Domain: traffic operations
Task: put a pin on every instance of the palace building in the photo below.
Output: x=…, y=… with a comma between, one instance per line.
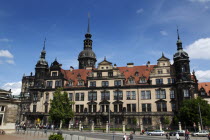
x=144, y=94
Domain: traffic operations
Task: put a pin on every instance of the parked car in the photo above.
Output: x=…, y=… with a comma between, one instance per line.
x=201, y=133
x=156, y=132
x=180, y=132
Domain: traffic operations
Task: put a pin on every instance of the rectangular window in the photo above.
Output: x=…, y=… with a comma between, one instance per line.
x=105, y=83
x=89, y=108
x=2, y=108
x=160, y=94
x=80, y=83
x=47, y=97
x=120, y=107
x=147, y=121
x=34, y=108
x=203, y=93
x=105, y=95
x=71, y=96
x=35, y=97
x=99, y=74
x=46, y=108
x=118, y=95
x=81, y=108
x=94, y=108
x=1, y=119
x=93, y=84
x=173, y=106
x=77, y=108
x=146, y=94
x=186, y=93
x=117, y=83
x=54, y=73
x=128, y=107
x=131, y=95
x=131, y=81
x=115, y=108
x=49, y=83
x=164, y=107
x=107, y=108
x=172, y=95
x=92, y=96
x=160, y=71
x=133, y=107
x=57, y=83
x=142, y=80
x=110, y=74
x=70, y=84
x=79, y=97
x=144, y=108
x=159, y=107
x=159, y=81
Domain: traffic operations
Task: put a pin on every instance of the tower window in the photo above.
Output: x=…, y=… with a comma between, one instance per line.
x=99, y=74
x=186, y=93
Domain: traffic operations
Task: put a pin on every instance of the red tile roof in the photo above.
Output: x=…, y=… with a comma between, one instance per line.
x=206, y=86
x=143, y=71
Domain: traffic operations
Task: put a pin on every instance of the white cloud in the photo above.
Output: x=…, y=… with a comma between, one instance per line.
x=139, y=11
x=164, y=33
x=202, y=1
x=199, y=49
x=5, y=40
x=14, y=86
x=5, y=53
x=203, y=76
x=10, y=61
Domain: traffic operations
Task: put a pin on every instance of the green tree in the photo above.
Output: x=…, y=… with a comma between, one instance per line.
x=60, y=109
x=189, y=112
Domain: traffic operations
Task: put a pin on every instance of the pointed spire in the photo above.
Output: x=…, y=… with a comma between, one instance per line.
x=178, y=33
x=105, y=58
x=179, y=42
x=163, y=54
x=44, y=43
x=88, y=29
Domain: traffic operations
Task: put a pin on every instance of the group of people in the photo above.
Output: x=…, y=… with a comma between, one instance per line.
x=129, y=137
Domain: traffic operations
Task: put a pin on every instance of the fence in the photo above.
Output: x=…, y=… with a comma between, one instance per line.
x=44, y=134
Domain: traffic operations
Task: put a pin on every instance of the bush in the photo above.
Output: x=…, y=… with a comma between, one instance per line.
x=56, y=137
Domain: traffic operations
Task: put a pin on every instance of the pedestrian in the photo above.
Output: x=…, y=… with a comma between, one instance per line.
x=134, y=130
x=167, y=136
x=208, y=136
x=125, y=137
x=131, y=136
x=187, y=134
x=177, y=136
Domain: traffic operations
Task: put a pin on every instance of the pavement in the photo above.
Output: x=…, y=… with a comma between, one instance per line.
x=85, y=135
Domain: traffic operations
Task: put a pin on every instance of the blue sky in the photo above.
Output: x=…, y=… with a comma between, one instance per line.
x=122, y=30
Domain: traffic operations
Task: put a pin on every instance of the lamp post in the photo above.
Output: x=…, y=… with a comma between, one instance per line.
x=109, y=117
x=200, y=116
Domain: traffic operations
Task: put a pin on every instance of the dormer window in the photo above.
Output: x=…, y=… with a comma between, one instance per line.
x=136, y=73
x=203, y=93
x=160, y=72
x=54, y=73
x=70, y=83
x=80, y=83
x=142, y=80
x=131, y=80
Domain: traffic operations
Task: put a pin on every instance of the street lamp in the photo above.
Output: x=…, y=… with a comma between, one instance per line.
x=200, y=116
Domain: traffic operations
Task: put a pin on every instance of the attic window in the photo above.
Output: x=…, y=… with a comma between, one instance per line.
x=80, y=83
x=142, y=80
x=70, y=84
x=203, y=93
x=136, y=73
x=54, y=74
x=131, y=80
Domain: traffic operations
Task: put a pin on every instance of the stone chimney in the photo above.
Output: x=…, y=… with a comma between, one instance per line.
x=148, y=64
x=130, y=65
x=71, y=68
x=115, y=66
